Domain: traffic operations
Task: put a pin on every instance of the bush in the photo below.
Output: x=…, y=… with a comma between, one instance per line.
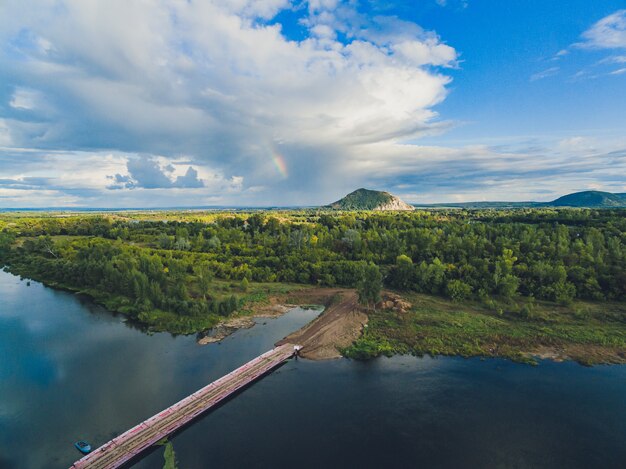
x=458, y=290
x=368, y=347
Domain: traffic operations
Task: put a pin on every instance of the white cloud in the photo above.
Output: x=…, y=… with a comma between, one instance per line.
x=264, y=9
x=602, y=68
x=613, y=59
x=461, y=4
x=323, y=31
x=213, y=80
x=260, y=118
x=425, y=52
x=24, y=99
x=235, y=184
x=577, y=144
x=541, y=170
x=544, y=73
x=322, y=5
x=608, y=33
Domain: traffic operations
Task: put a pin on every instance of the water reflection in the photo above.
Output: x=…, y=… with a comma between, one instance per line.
x=69, y=370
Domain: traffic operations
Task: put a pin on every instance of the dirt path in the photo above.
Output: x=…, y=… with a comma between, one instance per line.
x=338, y=326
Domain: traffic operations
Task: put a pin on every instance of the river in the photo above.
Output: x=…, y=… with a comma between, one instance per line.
x=70, y=370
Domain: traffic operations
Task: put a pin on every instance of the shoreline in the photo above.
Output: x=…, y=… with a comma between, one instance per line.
x=231, y=325
x=342, y=327
x=337, y=328
x=438, y=327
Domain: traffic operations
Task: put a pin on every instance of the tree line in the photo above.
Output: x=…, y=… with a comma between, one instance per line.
x=550, y=254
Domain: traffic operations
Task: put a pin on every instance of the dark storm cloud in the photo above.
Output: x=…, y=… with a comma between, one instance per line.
x=146, y=172
x=27, y=183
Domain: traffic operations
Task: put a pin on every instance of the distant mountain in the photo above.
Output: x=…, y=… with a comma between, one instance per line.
x=585, y=199
x=365, y=199
x=591, y=199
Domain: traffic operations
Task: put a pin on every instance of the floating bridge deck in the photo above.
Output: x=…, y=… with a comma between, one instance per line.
x=128, y=445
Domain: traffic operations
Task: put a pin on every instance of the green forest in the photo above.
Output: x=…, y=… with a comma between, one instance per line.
x=182, y=271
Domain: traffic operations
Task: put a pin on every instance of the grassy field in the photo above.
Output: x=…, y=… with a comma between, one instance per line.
x=589, y=333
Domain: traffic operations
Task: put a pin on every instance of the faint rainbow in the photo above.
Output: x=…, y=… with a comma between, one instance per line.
x=279, y=162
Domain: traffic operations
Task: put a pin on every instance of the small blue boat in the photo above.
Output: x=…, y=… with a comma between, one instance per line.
x=83, y=447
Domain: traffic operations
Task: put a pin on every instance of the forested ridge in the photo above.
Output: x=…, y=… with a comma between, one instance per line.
x=169, y=262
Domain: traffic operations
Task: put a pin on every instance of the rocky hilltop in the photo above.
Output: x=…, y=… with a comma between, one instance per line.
x=365, y=199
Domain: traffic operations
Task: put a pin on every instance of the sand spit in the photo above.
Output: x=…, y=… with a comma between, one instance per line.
x=338, y=326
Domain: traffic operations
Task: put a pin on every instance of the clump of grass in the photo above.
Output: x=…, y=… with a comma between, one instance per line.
x=169, y=457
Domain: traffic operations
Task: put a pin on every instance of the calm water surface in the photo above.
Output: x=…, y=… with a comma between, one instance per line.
x=70, y=370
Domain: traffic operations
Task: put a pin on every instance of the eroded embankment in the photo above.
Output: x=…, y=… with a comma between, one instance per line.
x=337, y=327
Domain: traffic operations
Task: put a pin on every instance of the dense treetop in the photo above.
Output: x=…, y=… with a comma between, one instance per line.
x=166, y=261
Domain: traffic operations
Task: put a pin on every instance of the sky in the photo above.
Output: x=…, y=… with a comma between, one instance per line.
x=170, y=103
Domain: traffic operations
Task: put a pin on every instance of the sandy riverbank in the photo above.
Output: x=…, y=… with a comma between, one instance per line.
x=338, y=326
x=230, y=325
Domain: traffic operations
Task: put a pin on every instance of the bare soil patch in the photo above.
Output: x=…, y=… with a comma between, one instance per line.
x=337, y=327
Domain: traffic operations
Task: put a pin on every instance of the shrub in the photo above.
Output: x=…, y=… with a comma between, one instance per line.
x=458, y=290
